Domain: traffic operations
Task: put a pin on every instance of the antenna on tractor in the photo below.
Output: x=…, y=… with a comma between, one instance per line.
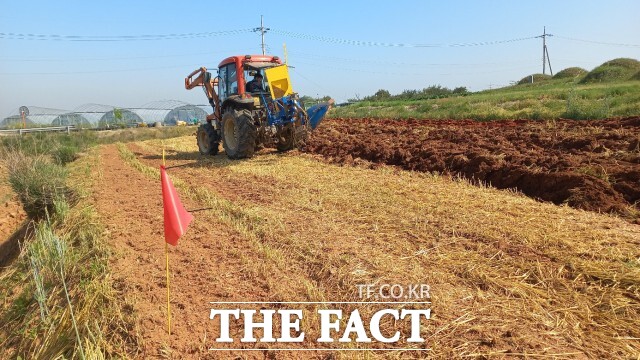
x=284, y=48
x=262, y=31
x=545, y=52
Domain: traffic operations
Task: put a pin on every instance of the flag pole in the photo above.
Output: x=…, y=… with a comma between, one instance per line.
x=166, y=252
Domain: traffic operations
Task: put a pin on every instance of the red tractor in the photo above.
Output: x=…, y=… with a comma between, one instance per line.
x=269, y=115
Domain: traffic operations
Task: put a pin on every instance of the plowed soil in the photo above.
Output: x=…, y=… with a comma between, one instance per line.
x=590, y=165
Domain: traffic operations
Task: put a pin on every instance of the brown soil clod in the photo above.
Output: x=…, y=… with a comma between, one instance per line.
x=590, y=165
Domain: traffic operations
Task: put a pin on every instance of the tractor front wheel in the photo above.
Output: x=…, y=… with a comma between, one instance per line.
x=238, y=134
x=208, y=139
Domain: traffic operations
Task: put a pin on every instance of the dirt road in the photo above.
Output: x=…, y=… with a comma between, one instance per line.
x=130, y=205
x=13, y=224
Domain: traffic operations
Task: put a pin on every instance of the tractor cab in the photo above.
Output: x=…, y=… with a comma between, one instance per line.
x=251, y=71
x=236, y=71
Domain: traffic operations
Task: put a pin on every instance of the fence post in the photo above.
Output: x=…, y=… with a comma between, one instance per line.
x=68, y=129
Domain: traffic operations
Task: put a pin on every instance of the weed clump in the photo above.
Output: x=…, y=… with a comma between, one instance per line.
x=40, y=184
x=65, y=154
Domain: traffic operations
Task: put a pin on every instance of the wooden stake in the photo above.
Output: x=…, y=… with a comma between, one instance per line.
x=166, y=252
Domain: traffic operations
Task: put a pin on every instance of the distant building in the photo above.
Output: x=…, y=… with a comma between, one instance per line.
x=166, y=112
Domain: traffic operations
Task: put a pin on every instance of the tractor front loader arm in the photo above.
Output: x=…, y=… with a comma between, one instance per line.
x=201, y=77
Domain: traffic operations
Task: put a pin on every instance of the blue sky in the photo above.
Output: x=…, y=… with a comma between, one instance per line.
x=337, y=48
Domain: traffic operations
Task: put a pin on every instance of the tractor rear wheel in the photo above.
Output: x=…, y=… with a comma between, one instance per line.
x=208, y=139
x=238, y=134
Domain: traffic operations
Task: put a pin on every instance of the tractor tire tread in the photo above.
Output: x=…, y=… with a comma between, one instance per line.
x=247, y=134
x=212, y=140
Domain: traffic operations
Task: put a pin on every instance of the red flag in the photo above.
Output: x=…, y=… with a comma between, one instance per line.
x=176, y=218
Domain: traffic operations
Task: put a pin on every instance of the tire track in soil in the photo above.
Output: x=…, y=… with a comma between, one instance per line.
x=130, y=206
x=225, y=183
x=288, y=281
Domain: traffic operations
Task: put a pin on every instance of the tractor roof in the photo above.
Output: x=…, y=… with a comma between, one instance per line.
x=253, y=59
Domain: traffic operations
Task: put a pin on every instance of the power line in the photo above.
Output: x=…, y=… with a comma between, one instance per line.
x=384, y=72
x=101, y=71
x=99, y=59
x=597, y=42
x=311, y=81
x=385, y=44
x=111, y=38
x=263, y=30
x=394, y=63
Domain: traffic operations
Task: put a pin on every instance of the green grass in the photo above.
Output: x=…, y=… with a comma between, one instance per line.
x=534, y=78
x=65, y=147
x=40, y=185
x=611, y=89
x=614, y=70
x=551, y=99
x=58, y=299
x=42, y=143
x=35, y=162
x=140, y=134
x=571, y=73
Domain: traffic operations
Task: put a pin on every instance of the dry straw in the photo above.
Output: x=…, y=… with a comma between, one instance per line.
x=509, y=276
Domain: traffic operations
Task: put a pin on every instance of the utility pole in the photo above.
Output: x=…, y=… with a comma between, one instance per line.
x=262, y=31
x=545, y=52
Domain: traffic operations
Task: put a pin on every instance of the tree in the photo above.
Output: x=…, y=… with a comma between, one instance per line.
x=307, y=100
x=382, y=94
x=435, y=91
x=379, y=95
x=461, y=90
x=310, y=101
x=355, y=99
x=117, y=115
